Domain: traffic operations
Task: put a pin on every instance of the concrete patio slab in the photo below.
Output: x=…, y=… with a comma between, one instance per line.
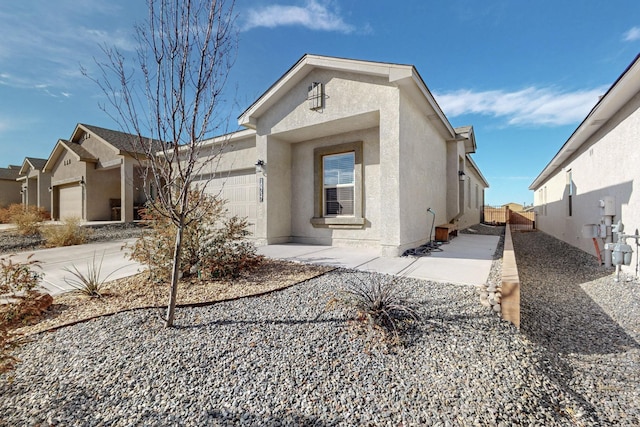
x=465, y=260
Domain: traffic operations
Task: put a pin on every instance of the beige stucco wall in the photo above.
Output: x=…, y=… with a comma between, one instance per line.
x=422, y=175
x=473, y=198
x=9, y=192
x=346, y=95
x=303, y=192
x=231, y=155
x=606, y=165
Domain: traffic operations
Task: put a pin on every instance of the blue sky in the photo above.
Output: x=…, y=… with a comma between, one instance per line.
x=523, y=73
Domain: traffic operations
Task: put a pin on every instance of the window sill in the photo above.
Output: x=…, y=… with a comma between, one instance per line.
x=349, y=221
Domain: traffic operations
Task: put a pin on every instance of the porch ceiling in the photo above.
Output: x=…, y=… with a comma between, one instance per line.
x=334, y=127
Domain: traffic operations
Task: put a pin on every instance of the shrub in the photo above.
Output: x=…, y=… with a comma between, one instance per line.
x=226, y=253
x=378, y=302
x=210, y=244
x=27, y=219
x=16, y=277
x=17, y=281
x=90, y=283
x=67, y=234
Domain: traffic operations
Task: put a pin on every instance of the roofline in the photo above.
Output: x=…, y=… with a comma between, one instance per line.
x=63, y=143
x=598, y=116
x=393, y=71
x=477, y=169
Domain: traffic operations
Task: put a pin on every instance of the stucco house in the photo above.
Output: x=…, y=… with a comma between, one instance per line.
x=95, y=176
x=596, y=168
x=35, y=183
x=349, y=153
x=9, y=186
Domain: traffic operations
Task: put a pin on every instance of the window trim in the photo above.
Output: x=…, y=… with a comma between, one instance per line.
x=336, y=186
x=355, y=220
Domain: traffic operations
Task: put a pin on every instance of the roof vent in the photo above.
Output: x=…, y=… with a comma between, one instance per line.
x=316, y=96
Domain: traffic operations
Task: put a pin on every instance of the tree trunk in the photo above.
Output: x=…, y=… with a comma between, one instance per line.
x=171, y=308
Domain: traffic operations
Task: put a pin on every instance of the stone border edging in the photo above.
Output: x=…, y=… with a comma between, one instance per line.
x=186, y=305
x=510, y=282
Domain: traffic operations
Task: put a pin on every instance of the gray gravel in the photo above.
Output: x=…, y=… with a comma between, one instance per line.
x=281, y=359
x=11, y=241
x=586, y=326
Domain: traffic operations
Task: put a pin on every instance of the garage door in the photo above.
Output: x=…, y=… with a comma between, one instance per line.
x=239, y=190
x=70, y=201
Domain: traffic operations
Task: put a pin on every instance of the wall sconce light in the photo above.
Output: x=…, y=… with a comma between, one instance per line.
x=461, y=175
x=260, y=166
x=50, y=189
x=82, y=181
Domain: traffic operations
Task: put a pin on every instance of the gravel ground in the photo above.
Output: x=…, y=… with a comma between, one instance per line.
x=586, y=326
x=281, y=359
x=10, y=241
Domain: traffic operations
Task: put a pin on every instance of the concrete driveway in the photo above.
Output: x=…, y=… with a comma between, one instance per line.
x=53, y=262
x=466, y=260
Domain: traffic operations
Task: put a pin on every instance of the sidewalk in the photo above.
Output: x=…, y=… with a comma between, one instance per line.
x=466, y=260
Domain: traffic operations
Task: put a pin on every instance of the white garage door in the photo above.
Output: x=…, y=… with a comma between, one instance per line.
x=239, y=190
x=70, y=201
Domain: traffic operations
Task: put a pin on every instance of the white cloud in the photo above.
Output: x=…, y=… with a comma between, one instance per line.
x=529, y=106
x=315, y=15
x=632, y=35
x=46, y=48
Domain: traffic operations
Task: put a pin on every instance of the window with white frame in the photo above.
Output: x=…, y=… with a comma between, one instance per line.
x=338, y=182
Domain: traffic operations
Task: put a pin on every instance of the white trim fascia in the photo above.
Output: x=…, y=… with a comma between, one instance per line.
x=477, y=169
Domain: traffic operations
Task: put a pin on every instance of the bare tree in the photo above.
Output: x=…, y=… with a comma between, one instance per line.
x=170, y=100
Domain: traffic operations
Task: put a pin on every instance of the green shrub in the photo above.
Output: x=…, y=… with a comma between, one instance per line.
x=68, y=234
x=378, y=302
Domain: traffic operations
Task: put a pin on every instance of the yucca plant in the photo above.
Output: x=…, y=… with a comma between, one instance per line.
x=89, y=283
x=379, y=302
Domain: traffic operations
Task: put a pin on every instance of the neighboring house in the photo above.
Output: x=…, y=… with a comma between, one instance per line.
x=35, y=183
x=349, y=153
x=95, y=176
x=514, y=207
x=601, y=160
x=9, y=186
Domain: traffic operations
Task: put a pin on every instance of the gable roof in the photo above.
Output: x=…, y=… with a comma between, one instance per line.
x=33, y=162
x=124, y=142
x=79, y=152
x=9, y=174
x=403, y=75
x=623, y=89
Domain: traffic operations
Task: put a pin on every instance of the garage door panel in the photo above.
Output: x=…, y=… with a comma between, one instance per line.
x=239, y=190
x=70, y=201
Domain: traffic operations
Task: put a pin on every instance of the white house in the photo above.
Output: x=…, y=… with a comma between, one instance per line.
x=599, y=162
x=349, y=153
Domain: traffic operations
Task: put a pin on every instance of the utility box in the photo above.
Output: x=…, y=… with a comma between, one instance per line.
x=590, y=231
x=608, y=205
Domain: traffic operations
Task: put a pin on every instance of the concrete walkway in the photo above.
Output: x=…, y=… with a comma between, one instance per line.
x=466, y=260
x=53, y=262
